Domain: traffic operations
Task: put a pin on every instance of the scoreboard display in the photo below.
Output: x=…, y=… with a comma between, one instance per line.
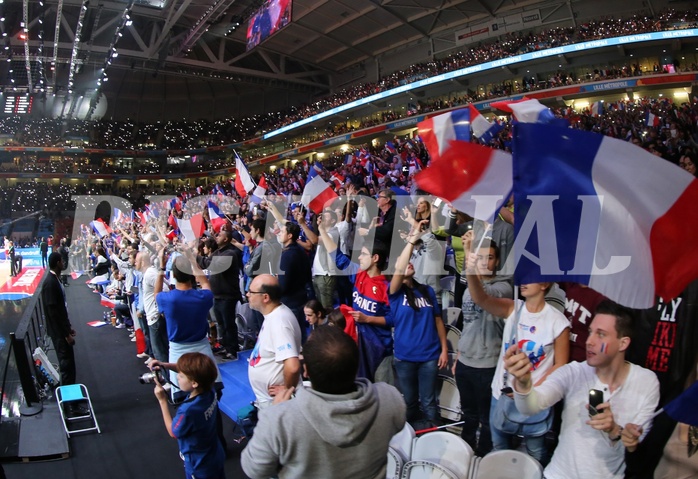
x=18, y=104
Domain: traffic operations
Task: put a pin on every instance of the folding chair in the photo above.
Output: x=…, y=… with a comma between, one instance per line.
x=439, y=454
x=452, y=314
x=75, y=394
x=447, y=286
x=449, y=399
x=508, y=463
x=452, y=338
x=395, y=462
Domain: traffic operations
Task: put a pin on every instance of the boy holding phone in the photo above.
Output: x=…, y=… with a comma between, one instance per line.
x=629, y=392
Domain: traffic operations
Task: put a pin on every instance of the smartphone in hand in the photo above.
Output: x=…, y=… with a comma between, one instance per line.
x=595, y=398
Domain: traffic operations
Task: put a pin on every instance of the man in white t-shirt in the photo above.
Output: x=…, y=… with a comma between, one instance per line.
x=593, y=440
x=274, y=364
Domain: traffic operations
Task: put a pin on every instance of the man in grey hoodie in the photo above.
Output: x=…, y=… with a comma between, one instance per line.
x=339, y=428
x=479, y=347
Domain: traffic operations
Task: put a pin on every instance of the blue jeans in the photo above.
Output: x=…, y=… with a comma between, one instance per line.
x=158, y=340
x=417, y=382
x=474, y=386
x=535, y=446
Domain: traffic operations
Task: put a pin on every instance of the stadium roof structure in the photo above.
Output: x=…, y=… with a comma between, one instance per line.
x=179, y=46
x=180, y=52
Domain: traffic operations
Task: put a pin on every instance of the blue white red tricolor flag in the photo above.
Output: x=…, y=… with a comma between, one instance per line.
x=193, y=228
x=651, y=119
x=482, y=129
x=526, y=110
x=215, y=216
x=106, y=301
x=602, y=212
x=259, y=191
x=316, y=194
x=101, y=228
x=437, y=131
x=243, y=180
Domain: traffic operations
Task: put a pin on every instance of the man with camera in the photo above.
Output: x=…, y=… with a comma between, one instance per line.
x=341, y=428
x=609, y=403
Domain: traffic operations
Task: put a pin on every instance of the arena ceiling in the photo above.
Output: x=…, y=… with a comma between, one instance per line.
x=195, y=38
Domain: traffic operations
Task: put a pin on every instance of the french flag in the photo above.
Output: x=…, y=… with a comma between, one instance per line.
x=337, y=179
x=651, y=119
x=483, y=130
x=216, y=217
x=476, y=179
x=526, y=110
x=602, y=212
x=314, y=171
x=316, y=194
x=437, y=131
x=106, y=301
x=193, y=228
x=380, y=177
x=118, y=216
x=390, y=146
x=176, y=204
x=349, y=159
x=596, y=108
x=243, y=180
x=259, y=191
x=101, y=228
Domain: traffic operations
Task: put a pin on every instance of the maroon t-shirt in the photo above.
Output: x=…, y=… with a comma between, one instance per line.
x=580, y=304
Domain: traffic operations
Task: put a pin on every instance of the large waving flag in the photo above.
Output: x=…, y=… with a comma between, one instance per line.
x=243, y=180
x=602, y=212
x=101, y=228
x=437, y=131
x=476, y=179
x=316, y=194
x=217, y=218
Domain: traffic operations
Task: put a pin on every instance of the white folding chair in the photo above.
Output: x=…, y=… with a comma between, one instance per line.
x=447, y=285
x=452, y=338
x=448, y=451
x=402, y=442
x=452, y=314
x=449, y=399
x=76, y=394
x=426, y=470
x=395, y=463
x=509, y=463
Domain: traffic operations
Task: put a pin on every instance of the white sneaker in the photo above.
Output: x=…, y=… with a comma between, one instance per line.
x=133, y=339
x=143, y=356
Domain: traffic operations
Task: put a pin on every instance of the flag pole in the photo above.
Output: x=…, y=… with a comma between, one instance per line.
x=436, y=428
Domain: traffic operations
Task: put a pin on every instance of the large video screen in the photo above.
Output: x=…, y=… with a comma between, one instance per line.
x=269, y=19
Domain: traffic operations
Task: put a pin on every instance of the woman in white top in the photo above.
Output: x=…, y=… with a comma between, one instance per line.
x=541, y=330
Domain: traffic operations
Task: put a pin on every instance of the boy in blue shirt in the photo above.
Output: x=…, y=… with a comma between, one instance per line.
x=194, y=426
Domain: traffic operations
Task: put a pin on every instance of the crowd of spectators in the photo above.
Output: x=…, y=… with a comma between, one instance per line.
x=374, y=166
x=127, y=135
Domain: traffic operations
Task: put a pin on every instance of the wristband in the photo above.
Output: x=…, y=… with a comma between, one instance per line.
x=620, y=434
